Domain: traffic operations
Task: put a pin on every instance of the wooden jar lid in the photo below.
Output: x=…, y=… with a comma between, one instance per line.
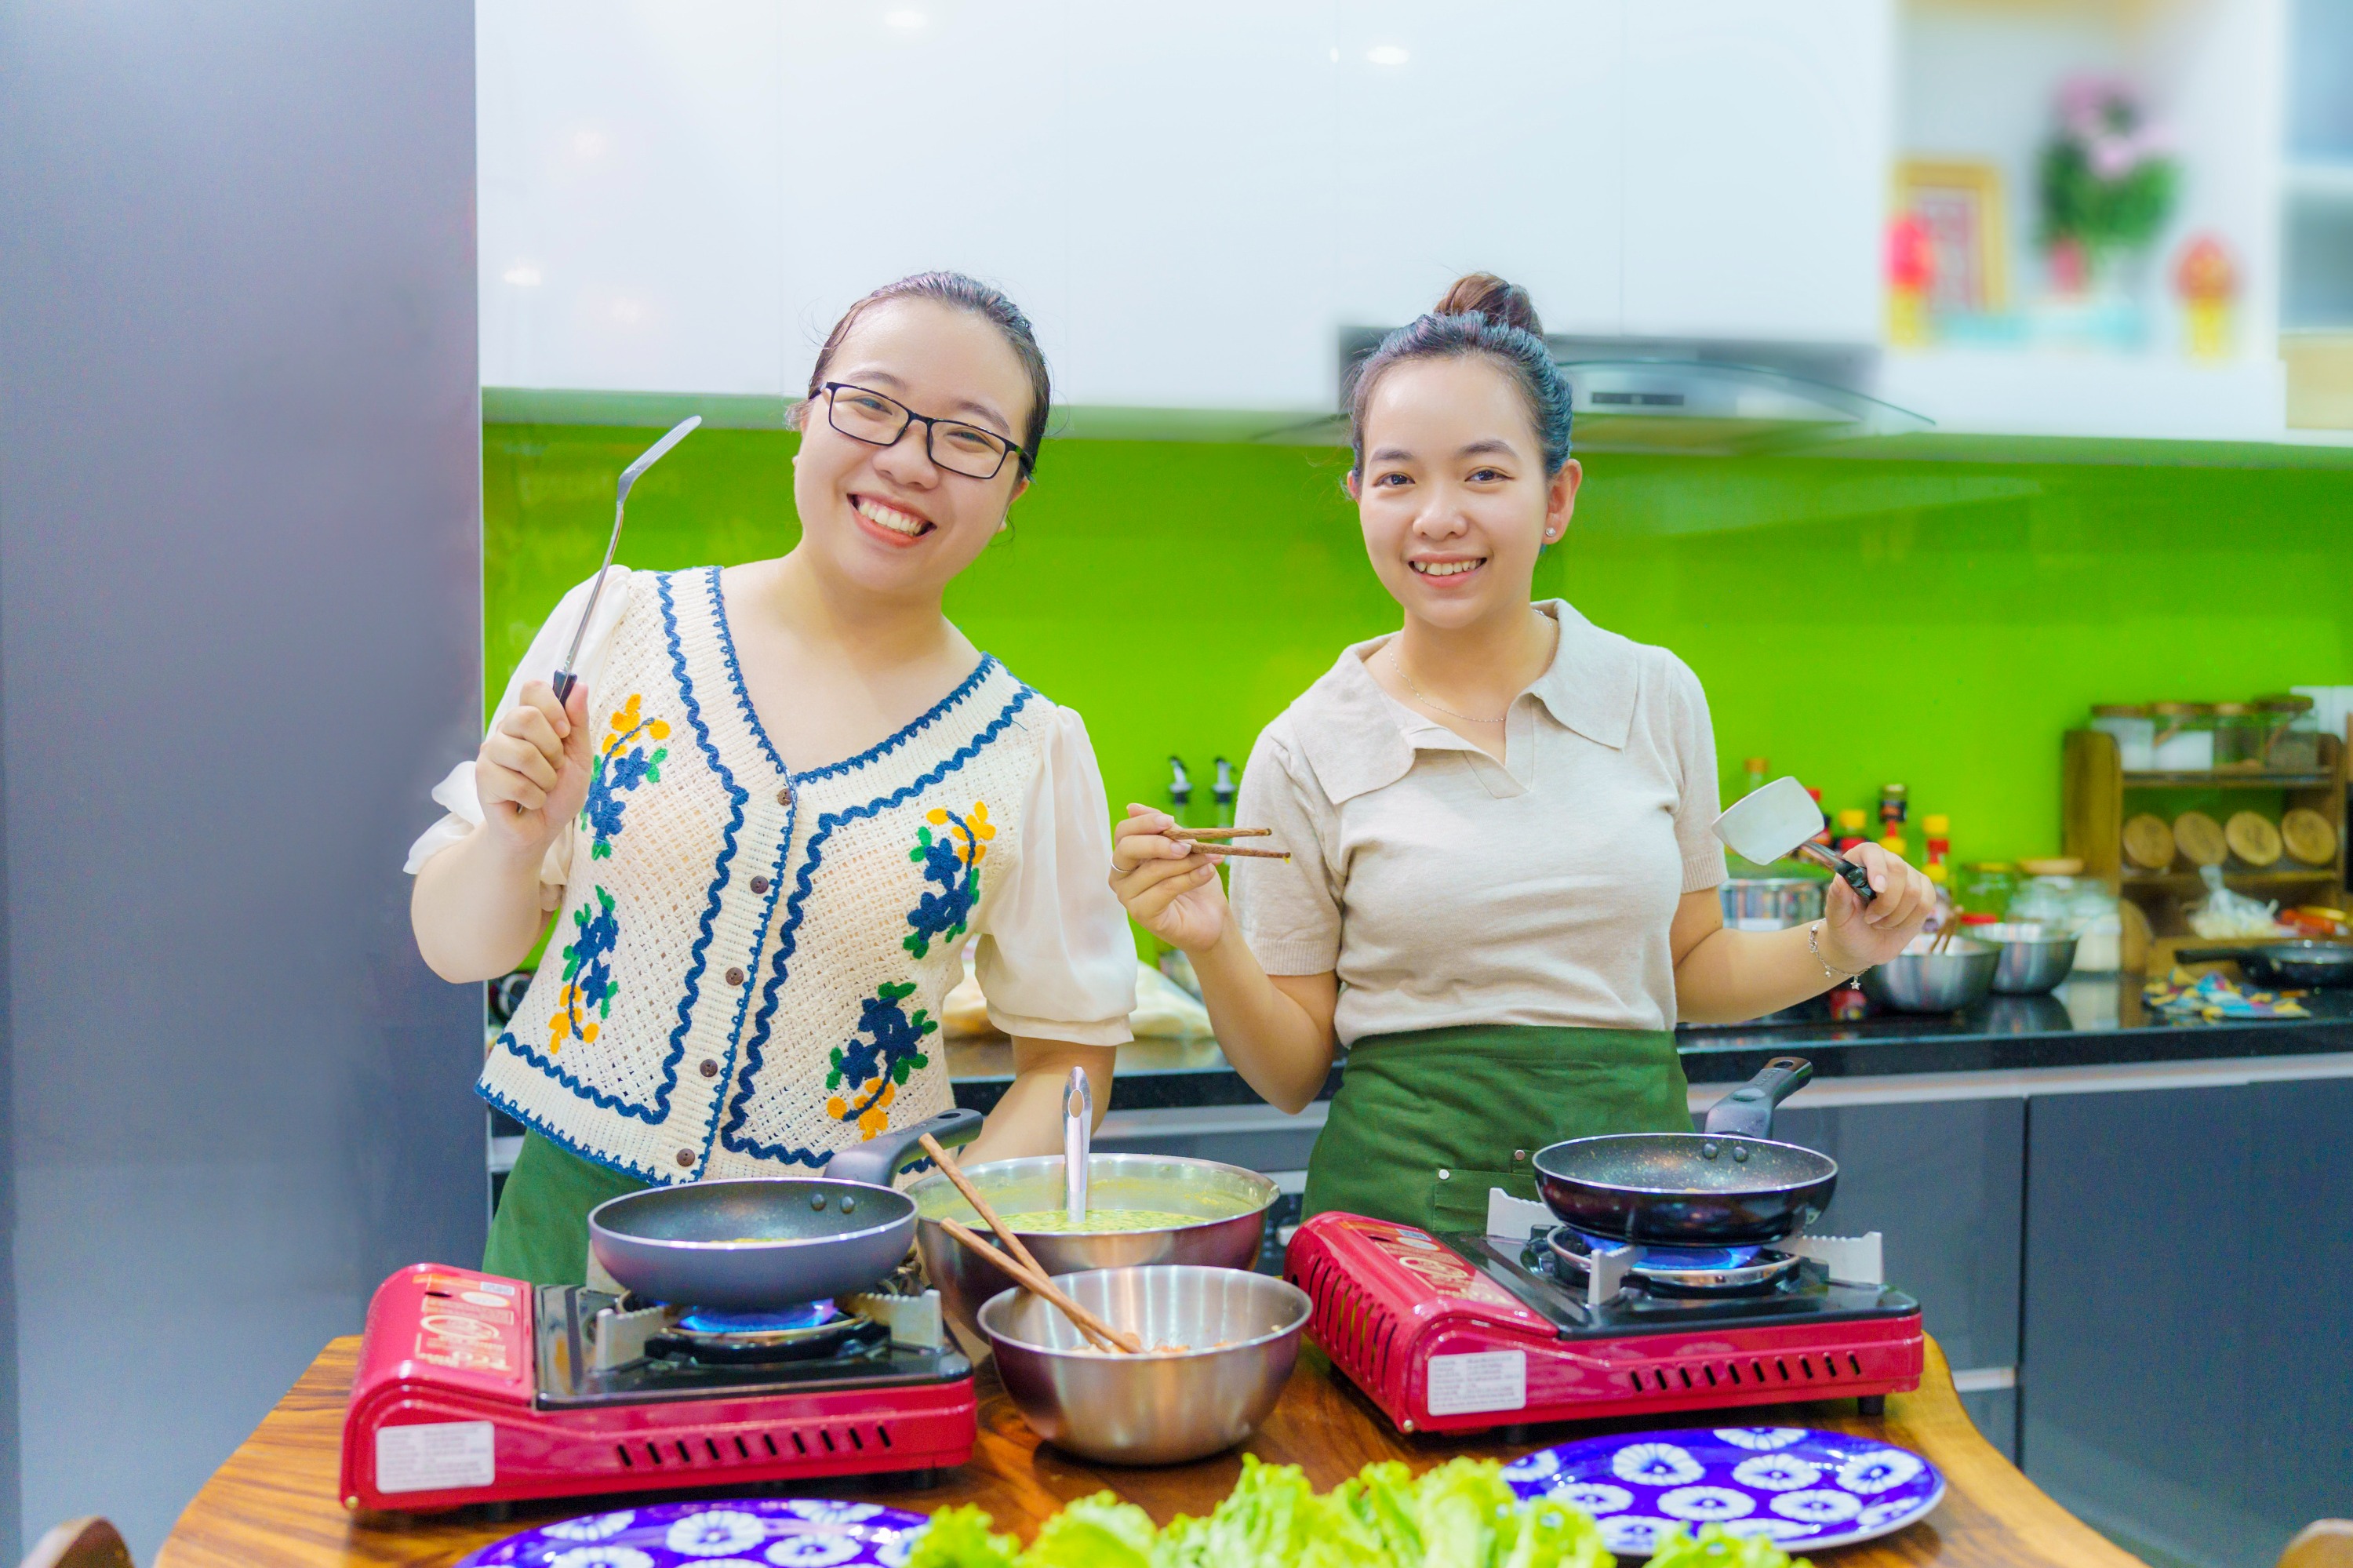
x=2199, y=839
x=2309, y=836
x=2148, y=842
x=2253, y=838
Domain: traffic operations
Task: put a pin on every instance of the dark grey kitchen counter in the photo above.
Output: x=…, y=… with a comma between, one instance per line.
x=2092, y=1021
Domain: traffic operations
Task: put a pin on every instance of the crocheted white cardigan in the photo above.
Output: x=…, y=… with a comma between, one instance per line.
x=748, y=964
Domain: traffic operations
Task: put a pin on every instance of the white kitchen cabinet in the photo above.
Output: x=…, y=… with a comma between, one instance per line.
x=929, y=133
x=1758, y=138
x=629, y=157
x=1479, y=137
x=1201, y=212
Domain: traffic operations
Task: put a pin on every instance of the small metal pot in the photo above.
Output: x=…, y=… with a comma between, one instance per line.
x=1150, y=1409
x=2033, y=958
x=1917, y=980
x=1232, y=1204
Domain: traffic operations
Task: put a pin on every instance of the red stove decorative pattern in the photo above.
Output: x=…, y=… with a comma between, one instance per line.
x=1459, y=1333
x=472, y=1389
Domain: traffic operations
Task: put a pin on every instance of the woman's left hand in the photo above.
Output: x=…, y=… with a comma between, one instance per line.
x=1855, y=935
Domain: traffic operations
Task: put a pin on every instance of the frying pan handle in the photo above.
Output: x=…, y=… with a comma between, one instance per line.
x=2213, y=955
x=1853, y=875
x=1748, y=1111
x=878, y=1159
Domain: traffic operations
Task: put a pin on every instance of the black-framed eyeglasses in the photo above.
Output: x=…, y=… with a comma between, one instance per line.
x=865, y=415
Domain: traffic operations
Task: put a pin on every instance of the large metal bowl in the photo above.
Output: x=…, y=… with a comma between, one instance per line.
x=1917, y=980
x=1232, y=1204
x=2034, y=959
x=1153, y=1409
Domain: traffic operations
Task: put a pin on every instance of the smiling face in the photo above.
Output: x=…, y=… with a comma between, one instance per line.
x=1453, y=496
x=888, y=519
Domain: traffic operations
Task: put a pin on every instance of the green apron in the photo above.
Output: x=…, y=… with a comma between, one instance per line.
x=1425, y=1123
x=541, y=1231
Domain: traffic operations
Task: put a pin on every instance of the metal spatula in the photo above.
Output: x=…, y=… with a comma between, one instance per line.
x=1781, y=819
x=564, y=679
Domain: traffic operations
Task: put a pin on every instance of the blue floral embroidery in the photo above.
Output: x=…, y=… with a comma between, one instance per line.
x=952, y=860
x=585, y=999
x=873, y=1067
x=620, y=765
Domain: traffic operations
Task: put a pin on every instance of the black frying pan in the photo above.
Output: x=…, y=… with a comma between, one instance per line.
x=2289, y=966
x=763, y=1243
x=1728, y=1186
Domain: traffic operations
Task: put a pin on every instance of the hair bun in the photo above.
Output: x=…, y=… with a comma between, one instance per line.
x=1484, y=293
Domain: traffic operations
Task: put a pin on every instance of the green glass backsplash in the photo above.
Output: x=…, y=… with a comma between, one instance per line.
x=1936, y=619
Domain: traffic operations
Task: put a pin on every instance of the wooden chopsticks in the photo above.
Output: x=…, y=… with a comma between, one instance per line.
x=1200, y=840
x=1022, y=1266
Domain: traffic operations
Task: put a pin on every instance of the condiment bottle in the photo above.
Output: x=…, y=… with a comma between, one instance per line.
x=1755, y=767
x=1222, y=790
x=1850, y=830
x=1938, y=845
x=1181, y=791
x=1824, y=836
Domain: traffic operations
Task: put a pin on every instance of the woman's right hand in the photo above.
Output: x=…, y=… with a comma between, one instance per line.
x=1171, y=891
x=531, y=774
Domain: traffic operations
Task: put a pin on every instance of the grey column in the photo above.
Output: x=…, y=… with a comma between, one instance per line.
x=239, y=566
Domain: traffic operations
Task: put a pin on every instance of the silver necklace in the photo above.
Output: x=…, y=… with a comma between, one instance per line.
x=1399, y=665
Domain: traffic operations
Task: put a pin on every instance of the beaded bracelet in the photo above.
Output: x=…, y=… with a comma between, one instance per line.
x=1814, y=946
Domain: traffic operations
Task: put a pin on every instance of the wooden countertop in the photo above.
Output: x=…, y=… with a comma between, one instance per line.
x=274, y=1504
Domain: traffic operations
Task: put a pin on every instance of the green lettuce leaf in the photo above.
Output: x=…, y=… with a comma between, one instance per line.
x=1714, y=1548
x=1099, y=1532
x=959, y=1538
x=1262, y=1524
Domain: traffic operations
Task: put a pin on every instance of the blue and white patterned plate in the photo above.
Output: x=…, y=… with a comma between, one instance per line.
x=1805, y=1488
x=753, y=1532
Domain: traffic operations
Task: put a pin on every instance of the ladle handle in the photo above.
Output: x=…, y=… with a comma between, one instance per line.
x=1853, y=875
x=1078, y=1136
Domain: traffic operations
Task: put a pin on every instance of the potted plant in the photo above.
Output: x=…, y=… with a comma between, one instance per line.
x=2107, y=184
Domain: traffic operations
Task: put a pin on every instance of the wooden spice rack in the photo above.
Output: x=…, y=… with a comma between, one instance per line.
x=2093, y=787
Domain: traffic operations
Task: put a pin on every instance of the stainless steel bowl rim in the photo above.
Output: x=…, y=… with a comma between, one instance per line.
x=1958, y=948
x=1039, y=1164
x=1719, y=1137
x=1299, y=1297
x=747, y=1244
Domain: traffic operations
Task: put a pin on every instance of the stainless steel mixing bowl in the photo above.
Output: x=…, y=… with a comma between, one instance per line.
x=2034, y=959
x=1917, y=980
x=1153, y=1409
x=1232, y=1204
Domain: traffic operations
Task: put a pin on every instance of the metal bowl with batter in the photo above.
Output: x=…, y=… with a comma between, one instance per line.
x=1230, y=1201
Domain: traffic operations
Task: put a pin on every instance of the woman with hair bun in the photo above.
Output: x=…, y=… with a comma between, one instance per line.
x=1500, y=895
x=780, y=799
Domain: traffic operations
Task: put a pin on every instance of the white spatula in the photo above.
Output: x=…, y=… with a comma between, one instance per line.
x=1779, y=821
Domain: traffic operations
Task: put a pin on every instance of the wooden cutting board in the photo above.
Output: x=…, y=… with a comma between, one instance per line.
x=2309, y=836
x=2254, y=838
x=2149, y=842
x=2199, y=839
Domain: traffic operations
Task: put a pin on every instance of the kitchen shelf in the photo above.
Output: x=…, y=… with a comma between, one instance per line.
x=2227, y=780
x=2190, y=881
x=2091, y=819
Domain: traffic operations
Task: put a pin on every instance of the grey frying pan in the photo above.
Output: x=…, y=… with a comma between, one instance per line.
x=1728, y=1186
x=761, y=1243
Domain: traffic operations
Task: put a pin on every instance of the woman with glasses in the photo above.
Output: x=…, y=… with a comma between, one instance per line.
x=1500, y=895
x=780, y=800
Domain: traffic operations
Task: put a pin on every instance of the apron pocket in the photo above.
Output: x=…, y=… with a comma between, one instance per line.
x=1460, y=1202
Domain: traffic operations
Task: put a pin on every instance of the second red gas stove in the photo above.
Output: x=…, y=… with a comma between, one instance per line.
x=1458, y=1332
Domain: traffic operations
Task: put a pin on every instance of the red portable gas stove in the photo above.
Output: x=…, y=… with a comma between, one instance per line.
x=475, y=1389
x=1456, y=1332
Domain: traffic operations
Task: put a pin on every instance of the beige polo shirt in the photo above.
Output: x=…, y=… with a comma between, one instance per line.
x=1447, y=888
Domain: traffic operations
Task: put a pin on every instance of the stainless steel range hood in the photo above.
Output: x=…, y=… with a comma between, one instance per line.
x=1694, y=395
x=1676, y=404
